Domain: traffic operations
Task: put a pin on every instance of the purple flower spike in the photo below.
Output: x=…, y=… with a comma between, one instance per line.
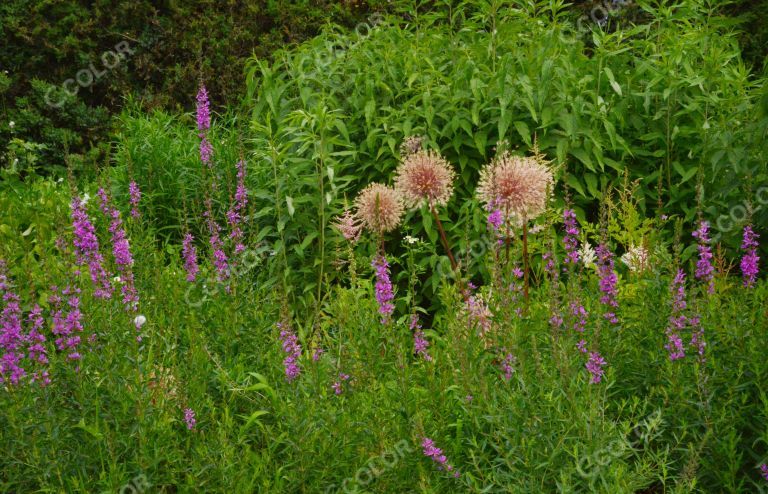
x=436, y=454
x=135, y=197
x=750, y=259
x=420, y=343
x=384, y=293
x=87, y=249
x=203, y=110
x=189, y=418
x=608, y=282
x=189, y=253
x=704, y=269
x=292, y=349
x=570, y=240
x=677, y=320
x=338, y=387
x=595, y=367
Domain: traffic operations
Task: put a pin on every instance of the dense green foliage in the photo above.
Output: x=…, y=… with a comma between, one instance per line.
x=651, y=120
x=667, y=103
x=169, y=46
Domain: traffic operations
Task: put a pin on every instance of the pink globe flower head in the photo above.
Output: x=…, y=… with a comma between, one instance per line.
x=425, y=177
x=379, y=208
x=518, y=186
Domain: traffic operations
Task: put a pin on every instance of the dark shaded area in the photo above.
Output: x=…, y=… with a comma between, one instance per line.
x=156, y=52
x=66, y=67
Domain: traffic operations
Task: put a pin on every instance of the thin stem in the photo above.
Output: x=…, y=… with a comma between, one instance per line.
x=443, y=238
x=525, y=262
x=508, y=239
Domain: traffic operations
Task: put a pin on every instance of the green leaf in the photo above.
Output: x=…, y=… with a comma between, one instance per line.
x=591, y=180
x=574, y=183
x=254, y=418
x=615, y=85
x=93, y=431
x=524, y=131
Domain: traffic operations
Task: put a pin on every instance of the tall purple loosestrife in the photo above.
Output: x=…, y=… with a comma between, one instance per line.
x=507, y=366
x=235, y=213
x=12, y=340
x=570, y=240
x=36, y=339
x=338, y=386
x=189, y=252
x=189, y=418
x=697, y=337
x=480, y=315
x=750, y=259
x=677, y=319
x=704, y=269
x=383, y=288
x=135, y=197
x=608, y=282
x=67, y=321
x=420, y=343
x=555, y=316
x=86, y=245
x=436, y=454
x=21, y=354
x=121, y=250
x=595, y=367
x=220, y=259
x=292, y=349
x=203, y=125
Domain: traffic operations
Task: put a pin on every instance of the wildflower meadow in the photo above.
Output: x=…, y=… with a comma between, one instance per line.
x=482, y=246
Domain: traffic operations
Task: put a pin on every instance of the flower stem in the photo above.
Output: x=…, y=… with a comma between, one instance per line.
x=525, y=262
x=443, y=239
